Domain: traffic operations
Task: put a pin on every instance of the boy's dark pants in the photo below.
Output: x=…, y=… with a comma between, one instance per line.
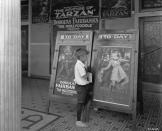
x=84, y=97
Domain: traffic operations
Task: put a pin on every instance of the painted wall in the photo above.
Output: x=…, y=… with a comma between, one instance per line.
x=119, y=23
x=40, y=33
x=40, y=50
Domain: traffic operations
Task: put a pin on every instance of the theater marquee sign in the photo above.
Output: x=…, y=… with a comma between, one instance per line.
x=75, y=15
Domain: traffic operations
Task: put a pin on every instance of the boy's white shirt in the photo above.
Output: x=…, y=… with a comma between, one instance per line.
x=79, y=71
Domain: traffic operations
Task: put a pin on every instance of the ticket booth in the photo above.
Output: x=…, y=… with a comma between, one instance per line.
x=114, y=64
x=62, y=86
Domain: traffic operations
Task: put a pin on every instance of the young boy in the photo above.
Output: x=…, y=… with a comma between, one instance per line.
x=82, y=83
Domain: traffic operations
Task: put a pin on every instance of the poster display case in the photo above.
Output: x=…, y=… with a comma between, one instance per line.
x=62, y=86
x=114, y=63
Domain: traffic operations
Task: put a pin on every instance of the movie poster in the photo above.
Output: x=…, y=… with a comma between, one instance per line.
x=64, y=83
x=75, y=14
x=115, y=8
x=40, y=11
x=24, y=10
x=112, y=76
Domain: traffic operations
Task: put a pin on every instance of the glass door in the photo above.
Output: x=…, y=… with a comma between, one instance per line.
x=151, y=51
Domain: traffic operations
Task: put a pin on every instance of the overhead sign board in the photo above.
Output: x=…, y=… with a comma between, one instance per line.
x=75, y=15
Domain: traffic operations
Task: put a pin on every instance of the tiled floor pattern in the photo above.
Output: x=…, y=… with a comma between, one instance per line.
x=34, y=96
x=35, y=121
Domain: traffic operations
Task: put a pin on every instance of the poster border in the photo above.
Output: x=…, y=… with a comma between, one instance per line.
x=59, y=43
x=130, y=78
x=129, y=44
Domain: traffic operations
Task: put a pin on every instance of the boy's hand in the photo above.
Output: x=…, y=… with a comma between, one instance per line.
x=89, y=77
x=85, y=77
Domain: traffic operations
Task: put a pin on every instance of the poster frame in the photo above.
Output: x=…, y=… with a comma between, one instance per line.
x=59, y=42
x=119, y=106
x=105, y=105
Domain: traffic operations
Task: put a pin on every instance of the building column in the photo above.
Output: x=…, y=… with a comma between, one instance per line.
x=10, y=65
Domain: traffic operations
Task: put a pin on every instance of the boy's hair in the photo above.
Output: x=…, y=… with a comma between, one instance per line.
x=81, y=52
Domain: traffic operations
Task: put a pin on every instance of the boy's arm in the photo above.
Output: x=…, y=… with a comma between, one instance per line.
x=85, y=76
x=83, y=73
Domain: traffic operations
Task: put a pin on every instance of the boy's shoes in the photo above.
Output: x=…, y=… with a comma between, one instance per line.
x=81, y=124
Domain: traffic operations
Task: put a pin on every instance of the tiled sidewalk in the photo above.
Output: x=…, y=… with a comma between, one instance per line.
x=35, y=96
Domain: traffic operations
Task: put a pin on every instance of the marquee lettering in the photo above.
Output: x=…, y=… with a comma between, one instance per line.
x=80, y=36
x=115, y=36
x=74, y=12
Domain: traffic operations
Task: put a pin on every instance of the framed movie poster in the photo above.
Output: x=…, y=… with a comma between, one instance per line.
x=115, y=8
x=114, y=65
x=62, y=86
x=112, y=76
x=64, y=83
x=40, y=11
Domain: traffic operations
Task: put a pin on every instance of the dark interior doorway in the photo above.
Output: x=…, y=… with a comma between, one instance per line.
x=24, y=48
x=151, y=53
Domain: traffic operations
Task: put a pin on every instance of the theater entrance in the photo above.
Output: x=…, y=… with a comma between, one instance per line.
x=151, y=53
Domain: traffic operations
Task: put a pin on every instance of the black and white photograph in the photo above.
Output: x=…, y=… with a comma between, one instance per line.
x=80, y=65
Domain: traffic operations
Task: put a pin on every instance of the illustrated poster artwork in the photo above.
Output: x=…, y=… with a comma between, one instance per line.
x=115, y=8
x=64, y=83
x=40, y=11
x=112, y=76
